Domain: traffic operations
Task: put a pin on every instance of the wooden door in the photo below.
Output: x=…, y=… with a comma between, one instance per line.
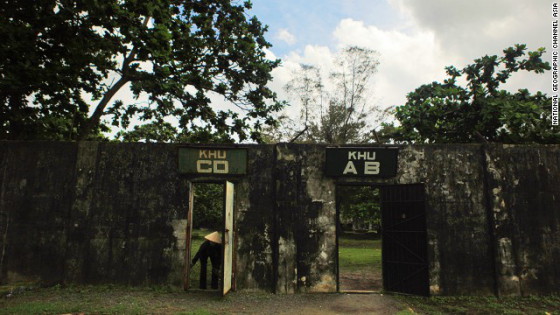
x=228, y=237
x=186, y=280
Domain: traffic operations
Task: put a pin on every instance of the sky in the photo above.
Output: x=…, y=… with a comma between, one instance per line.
x=415, y=39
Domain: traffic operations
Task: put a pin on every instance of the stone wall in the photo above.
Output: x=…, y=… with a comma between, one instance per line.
x=114, y=212
x=36, y=192
x=524, y=188
x=306, y=220
x=92, y=212
x=254, y=222
x=459, y=246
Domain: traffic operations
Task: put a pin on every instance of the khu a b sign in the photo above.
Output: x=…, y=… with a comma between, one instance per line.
x=361, y=162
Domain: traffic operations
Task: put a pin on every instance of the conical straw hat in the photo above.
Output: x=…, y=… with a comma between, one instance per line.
x=214, y=237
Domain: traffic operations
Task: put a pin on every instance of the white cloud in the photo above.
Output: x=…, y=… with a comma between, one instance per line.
x=285, y=36
x=320, y=56
x=434, y=34
x=406, y=60
x=466, y=30
x=478, y=27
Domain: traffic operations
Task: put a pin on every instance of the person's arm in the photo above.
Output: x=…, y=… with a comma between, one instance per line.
x=201, y=250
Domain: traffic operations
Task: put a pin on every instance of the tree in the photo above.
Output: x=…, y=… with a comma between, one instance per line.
x=162, y=131
x=360, y=206
x=336, y=109
x=209, y=206
x=480, y=112
x=56, y=55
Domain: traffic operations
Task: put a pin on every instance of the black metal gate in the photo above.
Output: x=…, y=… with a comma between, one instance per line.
x=405, y=263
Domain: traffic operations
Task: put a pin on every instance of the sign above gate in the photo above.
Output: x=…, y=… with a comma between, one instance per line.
x=212, y=161
x=362, y=162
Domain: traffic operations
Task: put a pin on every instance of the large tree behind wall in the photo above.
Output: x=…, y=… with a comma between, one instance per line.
x=62, y=63
x=335, y=107
x=445, y=112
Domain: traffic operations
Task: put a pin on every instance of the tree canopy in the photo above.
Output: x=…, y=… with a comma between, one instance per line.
x=58, y=57
x=360, y=206
x=335, y=107
x=481, y=111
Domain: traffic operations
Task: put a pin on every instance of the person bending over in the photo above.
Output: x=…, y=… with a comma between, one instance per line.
x=211, y=248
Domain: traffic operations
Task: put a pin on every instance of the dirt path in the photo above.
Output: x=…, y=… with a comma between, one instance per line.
x=125, y=300
x=350, y=304
x=314, y=304
x=359, y=280
x=109, y=299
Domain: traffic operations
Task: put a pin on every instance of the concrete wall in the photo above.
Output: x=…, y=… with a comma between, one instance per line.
x=109, y=212
x=91, y=212
x=459, y=243
x=306, y=221
x=36, y=189
x=524, y=188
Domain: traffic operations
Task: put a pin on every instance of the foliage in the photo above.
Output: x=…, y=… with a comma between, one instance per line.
x=208, y=206
x=480, y=112
x=166, y=132
x=57, y=55
x=335, y=109
x=359, y=204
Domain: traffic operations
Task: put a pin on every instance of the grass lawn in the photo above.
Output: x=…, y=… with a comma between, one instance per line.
x=112, y=299
x=358, y=254
x=359, y=257
x=544, y=305
x=105, y=299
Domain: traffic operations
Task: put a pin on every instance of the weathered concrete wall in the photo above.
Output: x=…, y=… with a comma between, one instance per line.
x=36, y=188
x=254, y=222
x=92, y=212
x=306, y=220
x=459, y=246
x=524, y=184
x=109, y=212
x=128, y=200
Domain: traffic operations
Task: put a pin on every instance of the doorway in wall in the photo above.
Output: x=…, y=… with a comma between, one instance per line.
x=359, y=239
x=382, y=239
x=209, y=239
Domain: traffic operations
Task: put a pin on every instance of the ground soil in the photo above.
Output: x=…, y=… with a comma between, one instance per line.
x=110, y=299
x=314, y=304
x=358, y=280
x=122, y=300
x=349, y=304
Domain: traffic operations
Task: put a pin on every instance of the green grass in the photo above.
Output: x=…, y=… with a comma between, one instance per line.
x=482, y=305
x=75, y=299
x=358, y=254
x=113, y=299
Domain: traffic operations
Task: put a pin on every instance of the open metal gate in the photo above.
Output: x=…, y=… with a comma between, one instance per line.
x=404, y=247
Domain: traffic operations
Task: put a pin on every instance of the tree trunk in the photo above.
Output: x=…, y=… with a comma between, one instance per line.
x=93, y=121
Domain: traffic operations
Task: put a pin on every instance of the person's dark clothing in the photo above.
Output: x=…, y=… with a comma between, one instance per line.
x=214, y=252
